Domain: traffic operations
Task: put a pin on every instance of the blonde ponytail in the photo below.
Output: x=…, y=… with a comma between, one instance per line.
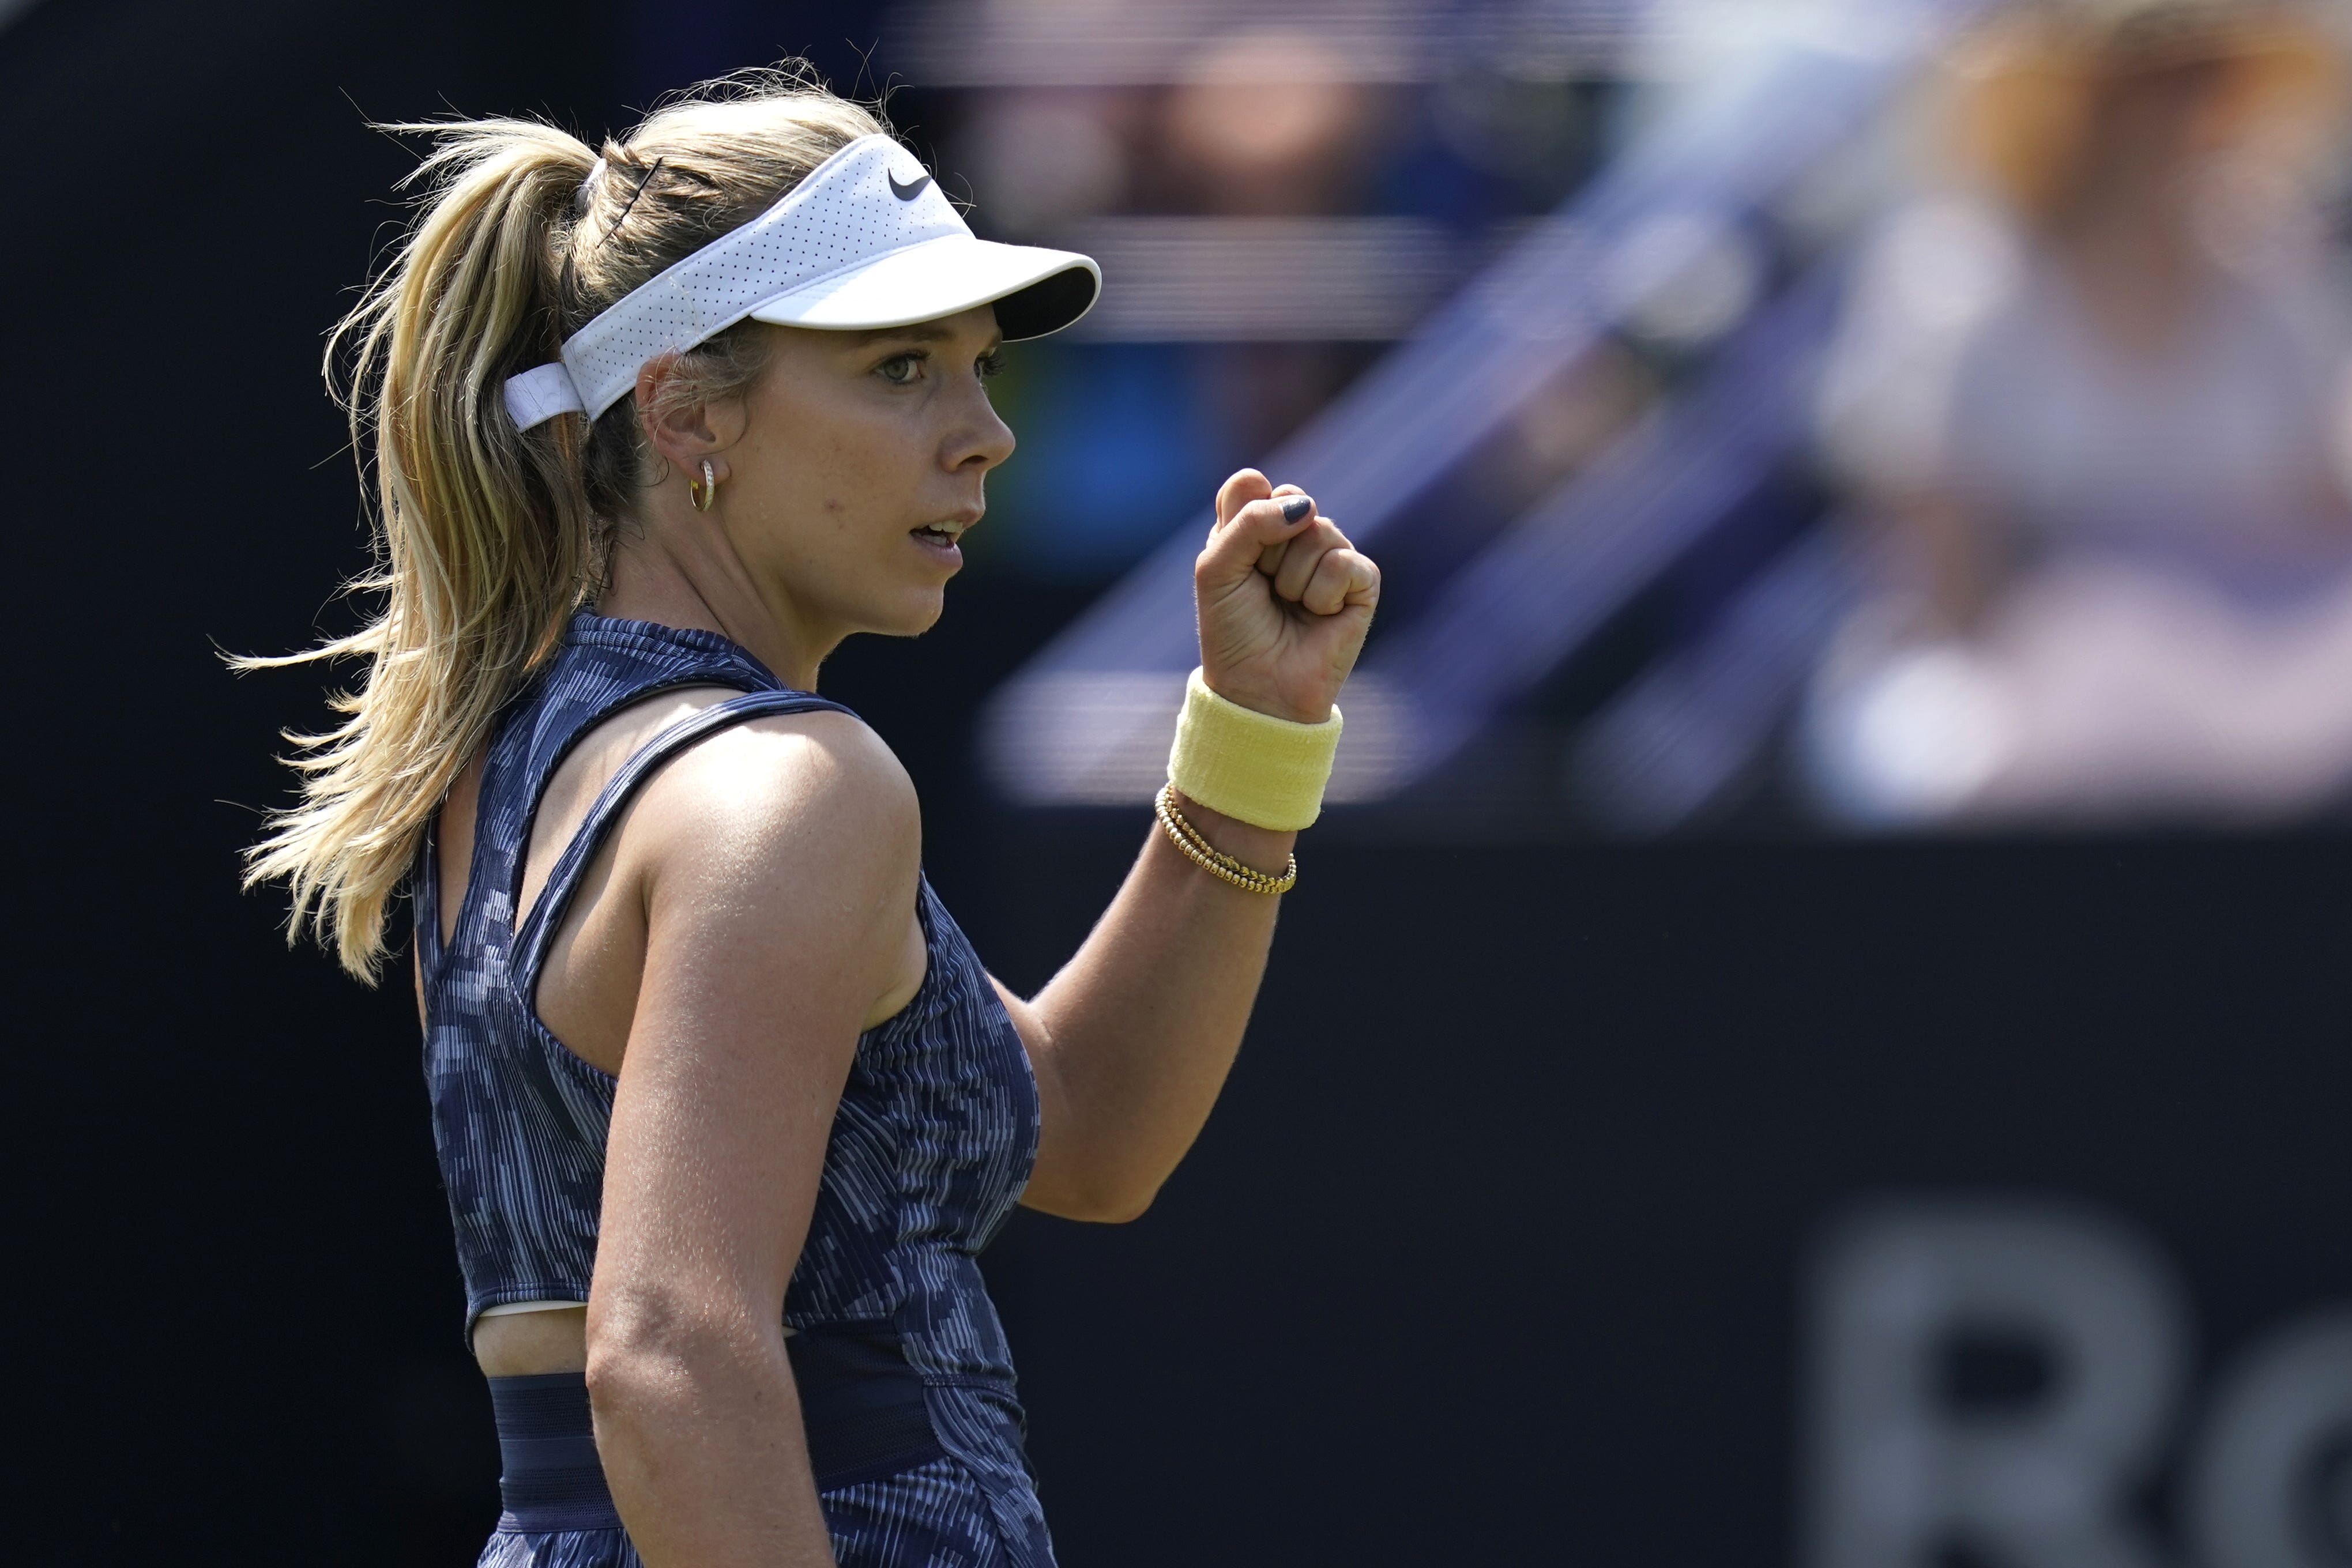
x=489, y=538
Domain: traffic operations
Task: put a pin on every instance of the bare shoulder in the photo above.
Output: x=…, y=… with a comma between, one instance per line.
x=788, y=798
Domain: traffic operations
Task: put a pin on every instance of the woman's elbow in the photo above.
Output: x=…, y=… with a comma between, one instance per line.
x=625, y=1356
x=645, y=1343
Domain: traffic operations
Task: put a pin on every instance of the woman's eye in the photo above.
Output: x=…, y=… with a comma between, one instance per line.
x=992, y=365
x=899, y=370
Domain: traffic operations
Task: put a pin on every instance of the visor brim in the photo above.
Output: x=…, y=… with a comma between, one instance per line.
x=1036, y=291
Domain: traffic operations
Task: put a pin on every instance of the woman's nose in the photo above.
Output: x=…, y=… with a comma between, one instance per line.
x=985, y=439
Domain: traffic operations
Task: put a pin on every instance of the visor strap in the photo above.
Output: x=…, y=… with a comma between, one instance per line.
x=537, y=396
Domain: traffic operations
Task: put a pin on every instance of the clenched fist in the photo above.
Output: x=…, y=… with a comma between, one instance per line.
x=1285, y=601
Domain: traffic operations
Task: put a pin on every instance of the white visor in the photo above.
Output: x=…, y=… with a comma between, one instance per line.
x=865, y=241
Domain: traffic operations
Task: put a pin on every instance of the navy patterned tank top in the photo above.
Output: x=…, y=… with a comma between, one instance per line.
x=930, y=1148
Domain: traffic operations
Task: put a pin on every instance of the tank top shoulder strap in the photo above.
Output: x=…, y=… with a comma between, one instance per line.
x=603, y=665
x=546, y=915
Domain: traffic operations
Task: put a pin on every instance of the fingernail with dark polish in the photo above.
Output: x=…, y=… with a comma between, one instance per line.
x=1292, y=510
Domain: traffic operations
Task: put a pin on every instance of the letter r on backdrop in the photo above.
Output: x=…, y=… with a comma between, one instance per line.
x=1995, y=1379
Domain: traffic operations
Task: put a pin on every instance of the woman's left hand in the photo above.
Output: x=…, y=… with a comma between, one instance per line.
x=1284, y=602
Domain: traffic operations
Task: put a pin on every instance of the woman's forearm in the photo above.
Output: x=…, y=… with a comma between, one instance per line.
x=703, y=1447
x=1140, y=1029
x=1132, y=1040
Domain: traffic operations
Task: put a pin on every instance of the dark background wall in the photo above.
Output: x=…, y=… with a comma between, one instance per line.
x=1496, y=1250
x=235, y=1341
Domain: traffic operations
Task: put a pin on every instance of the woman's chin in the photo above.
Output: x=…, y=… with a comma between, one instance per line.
x=915, y=613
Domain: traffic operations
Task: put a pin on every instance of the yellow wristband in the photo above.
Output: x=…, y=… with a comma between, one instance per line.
x=1265, y=771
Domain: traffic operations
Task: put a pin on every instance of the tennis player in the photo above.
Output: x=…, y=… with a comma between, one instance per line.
x=725, y=1103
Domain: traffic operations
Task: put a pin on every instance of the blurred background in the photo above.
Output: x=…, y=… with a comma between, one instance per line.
x=1837, y=879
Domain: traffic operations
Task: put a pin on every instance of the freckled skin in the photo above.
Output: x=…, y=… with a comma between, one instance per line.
x=904, y=436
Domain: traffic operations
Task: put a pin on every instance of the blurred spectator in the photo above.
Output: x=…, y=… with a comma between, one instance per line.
x=1126, y=440
x=2090, y=399
x=1266, y=121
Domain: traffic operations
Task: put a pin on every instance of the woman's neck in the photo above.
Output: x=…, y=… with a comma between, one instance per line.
x=690, y=580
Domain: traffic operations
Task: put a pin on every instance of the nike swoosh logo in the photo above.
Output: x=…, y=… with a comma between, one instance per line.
x=908, y=192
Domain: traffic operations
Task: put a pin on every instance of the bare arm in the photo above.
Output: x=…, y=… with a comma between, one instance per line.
x=1132, y=1040
x=777, y=868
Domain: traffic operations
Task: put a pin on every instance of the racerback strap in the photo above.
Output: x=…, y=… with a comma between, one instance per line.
x=546, y=916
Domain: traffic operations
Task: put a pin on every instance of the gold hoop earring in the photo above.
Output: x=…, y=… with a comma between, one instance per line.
x=705, y=490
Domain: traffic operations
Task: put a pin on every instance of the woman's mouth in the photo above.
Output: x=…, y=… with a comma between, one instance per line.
x=940, y=536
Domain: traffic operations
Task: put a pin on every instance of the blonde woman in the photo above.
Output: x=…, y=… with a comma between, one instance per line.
x=2097, y=410
x=725, y=1103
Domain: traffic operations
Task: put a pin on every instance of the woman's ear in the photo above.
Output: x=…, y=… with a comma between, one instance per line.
x=682, y=427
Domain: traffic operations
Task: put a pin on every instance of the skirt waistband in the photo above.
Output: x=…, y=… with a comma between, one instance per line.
x=863, y=1406
x=550, y=1477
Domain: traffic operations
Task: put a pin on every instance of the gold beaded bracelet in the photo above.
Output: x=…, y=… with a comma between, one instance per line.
x=1199, y=851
